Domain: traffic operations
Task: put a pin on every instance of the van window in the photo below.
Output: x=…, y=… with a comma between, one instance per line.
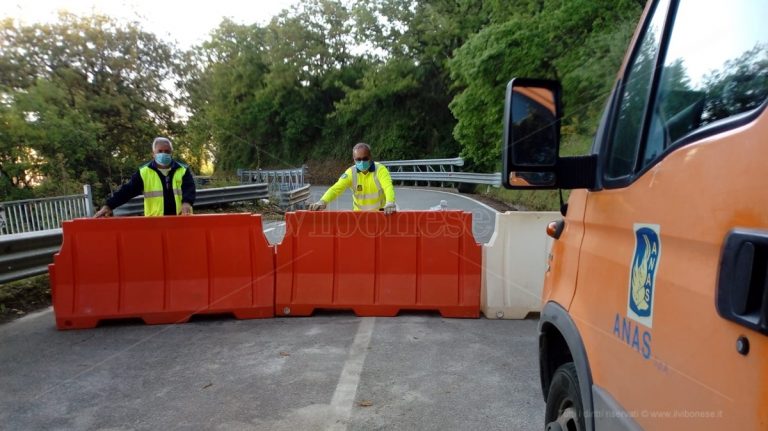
x=624, y=146
x=715, y=67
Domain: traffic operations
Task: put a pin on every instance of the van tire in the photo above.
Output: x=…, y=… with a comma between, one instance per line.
x=565, y=410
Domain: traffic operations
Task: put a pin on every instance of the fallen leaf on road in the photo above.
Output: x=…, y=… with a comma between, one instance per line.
x=365, y=403
x=285, y=354
x=208, y=386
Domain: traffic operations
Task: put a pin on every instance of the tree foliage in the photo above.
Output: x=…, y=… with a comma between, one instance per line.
x=580, y=43
x=81, y=99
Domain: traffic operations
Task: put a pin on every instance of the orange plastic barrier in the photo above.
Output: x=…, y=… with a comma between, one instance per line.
x=378, y=265
x=162, y=269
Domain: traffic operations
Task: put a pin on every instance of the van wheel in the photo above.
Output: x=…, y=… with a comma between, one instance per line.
x=564, y=411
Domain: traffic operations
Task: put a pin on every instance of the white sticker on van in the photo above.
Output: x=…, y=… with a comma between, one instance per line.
x=642, y=273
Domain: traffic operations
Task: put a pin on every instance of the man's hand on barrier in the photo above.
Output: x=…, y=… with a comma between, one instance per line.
x=105, y=211
x=390, y=208
x=317, y=206
x=186, y=208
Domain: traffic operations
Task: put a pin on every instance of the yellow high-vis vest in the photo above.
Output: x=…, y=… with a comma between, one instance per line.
x=153, y=190
x=371, y=190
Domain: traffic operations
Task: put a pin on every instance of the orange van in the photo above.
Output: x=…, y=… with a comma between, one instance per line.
x=655, y=300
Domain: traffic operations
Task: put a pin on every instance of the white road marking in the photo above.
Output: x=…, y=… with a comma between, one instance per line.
x=344, y=397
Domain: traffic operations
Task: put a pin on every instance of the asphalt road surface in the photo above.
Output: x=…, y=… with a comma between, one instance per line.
x=332, y=371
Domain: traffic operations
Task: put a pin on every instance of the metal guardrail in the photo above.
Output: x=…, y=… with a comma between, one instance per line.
x=205, y=197
x=287, y=186
x=278, y=179
x=457, y=161
x=437, y=171
x=27, y=254
x=431, y=166
x=493, y=179
x=33, y=215
x=294, y=199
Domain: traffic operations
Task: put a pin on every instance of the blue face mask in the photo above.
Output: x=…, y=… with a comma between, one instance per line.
x=363, y=165
x=163, y=159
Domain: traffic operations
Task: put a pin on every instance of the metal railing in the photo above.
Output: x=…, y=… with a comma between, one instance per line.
x=437, y=171
x=205, y=197
x=286, y=183
x=33, y=215
x=287, y=186
x=28, y=254
x=493, y=179
x=278, y=179
x=423, y=164
x=294, y=199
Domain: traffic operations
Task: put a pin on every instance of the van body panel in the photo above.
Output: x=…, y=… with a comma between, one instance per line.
x=610, y=415
x=682, y=152
x=681, y=365
x=563, y=259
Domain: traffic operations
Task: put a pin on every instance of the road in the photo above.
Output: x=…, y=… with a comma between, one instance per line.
x=331, y=371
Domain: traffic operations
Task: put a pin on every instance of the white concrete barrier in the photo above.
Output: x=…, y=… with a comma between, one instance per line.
x=514, y=261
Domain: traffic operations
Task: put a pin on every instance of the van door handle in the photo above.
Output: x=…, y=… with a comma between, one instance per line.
x=742, y=287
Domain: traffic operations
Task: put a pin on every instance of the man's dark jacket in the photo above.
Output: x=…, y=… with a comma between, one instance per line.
x=135, y=187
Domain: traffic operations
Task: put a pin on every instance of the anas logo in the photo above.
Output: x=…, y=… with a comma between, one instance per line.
x=642, y=275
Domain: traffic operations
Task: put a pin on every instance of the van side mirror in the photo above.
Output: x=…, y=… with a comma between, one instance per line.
x=531, y=147
x=531, y=133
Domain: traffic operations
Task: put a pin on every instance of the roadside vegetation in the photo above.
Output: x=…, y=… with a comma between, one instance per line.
x=20, y=297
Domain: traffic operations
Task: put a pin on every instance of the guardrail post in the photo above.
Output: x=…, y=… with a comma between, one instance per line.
x=88, y=196
x=3, y=221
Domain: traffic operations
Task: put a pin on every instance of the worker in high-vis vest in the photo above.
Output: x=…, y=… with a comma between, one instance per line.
x=167, y=185
x=370, y=183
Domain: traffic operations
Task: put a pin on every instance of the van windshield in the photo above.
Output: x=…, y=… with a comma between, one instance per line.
x=715, y=67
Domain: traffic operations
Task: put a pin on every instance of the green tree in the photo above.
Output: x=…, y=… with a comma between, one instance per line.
x=87, y=92
x=401, y=104
x=264, y=93
x=580, y=43
x=225, y=76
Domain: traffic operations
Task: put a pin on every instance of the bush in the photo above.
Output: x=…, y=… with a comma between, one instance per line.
x=325, y=172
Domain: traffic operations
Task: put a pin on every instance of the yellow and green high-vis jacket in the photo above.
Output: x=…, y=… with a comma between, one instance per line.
x=163, y=194
x=371, y=189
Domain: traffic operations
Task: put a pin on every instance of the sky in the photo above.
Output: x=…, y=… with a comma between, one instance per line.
x=187, y=22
